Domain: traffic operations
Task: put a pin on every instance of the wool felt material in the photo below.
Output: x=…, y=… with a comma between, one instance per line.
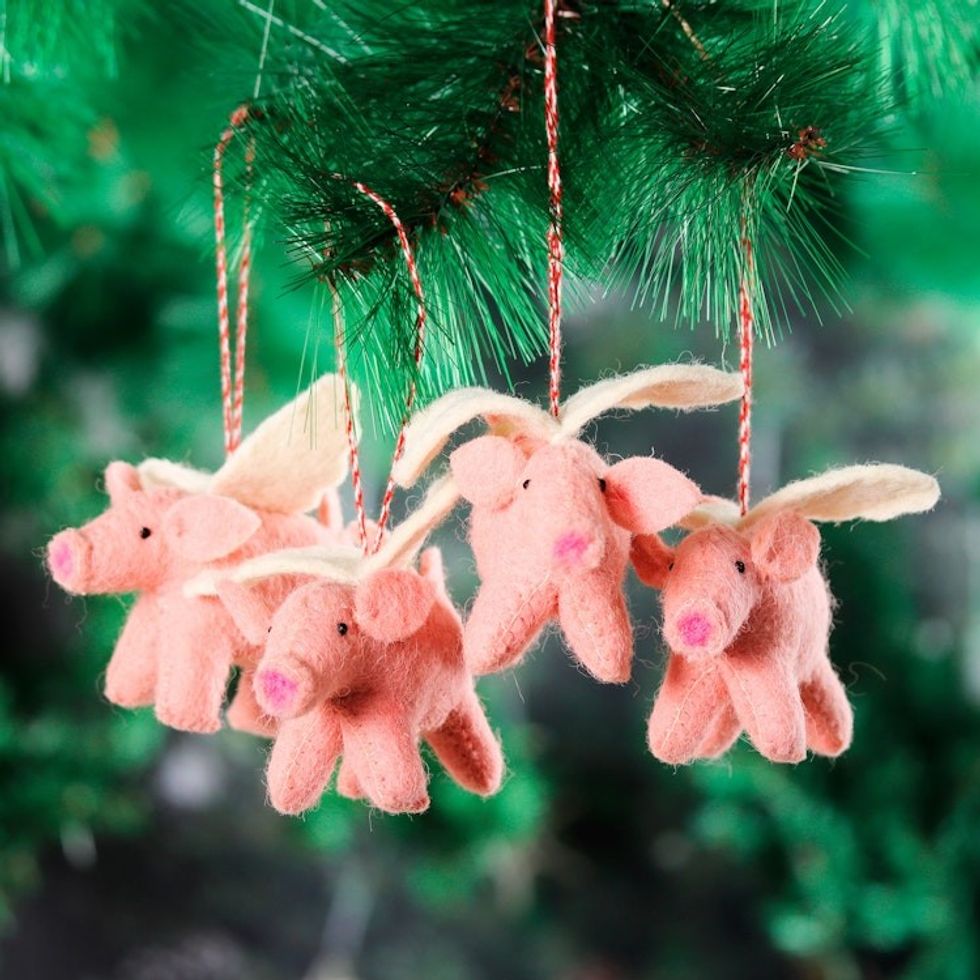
x=748, y=648
x=286, y=465
x=368, y=686
x=747, y=615
x=366, y=672
x=678, y=386
x=551, y=531
x=175, y=652
x=340, y=560
x=551, y=521
x=163, y=527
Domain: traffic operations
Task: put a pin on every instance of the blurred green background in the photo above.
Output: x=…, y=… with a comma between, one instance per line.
x=127, y=851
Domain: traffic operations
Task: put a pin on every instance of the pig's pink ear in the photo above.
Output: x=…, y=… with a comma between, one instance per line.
x=646, y=495
x=652, y=560
x=486, y=470
x=121, y=479
x=392, y=604
x=785, y=545
x=207, y=527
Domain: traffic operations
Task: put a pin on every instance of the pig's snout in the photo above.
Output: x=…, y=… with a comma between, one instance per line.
x=696, y=630
x=68, y=559
x=278, y=691
x=577, y=549
x=284, y=691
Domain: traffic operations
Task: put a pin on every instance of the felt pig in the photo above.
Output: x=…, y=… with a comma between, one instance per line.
x=747, y=618
x=364, y=661
x=551, y=520
x=164, y=525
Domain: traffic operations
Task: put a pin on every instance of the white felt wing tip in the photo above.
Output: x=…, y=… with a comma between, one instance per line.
x=680, y=386
x=294, y=455
x=339, y=563
x=163, y=473
x=712, y=510
x=404, y=542
x=871, y=492
x=430, y=429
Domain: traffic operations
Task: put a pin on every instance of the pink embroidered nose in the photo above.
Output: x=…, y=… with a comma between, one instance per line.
x=571, y=547
x=694, y=630
x=279, y=692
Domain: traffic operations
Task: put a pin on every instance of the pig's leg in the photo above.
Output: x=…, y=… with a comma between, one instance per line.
x=596, y=626
x=302, y=760
x=722, y=734
x=197, y=648
x=503, y=623
x=384, y=751
x=244, y=714
x=829, y=718
x=466, y=746
x=131, y=676
x=767, y=701
x=347, y=782
x=690, y=702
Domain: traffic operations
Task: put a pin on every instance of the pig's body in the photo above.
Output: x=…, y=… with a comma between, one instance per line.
x=550, y=529
x=747, y=617
x=176, y=652
x=366, y=672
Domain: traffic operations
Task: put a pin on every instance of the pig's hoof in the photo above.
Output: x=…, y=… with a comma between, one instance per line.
x=128, y=697
x=417, y=804
x=184, y=721
x=612, y=673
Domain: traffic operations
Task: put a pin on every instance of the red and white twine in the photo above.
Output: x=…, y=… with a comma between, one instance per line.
x=555, y=244
x=746, y=338
x=420, y=320
x=232, y=391
x=353, y=454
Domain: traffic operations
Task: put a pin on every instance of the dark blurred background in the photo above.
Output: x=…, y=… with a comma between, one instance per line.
x=128, y=852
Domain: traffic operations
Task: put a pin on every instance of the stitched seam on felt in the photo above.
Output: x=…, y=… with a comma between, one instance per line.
x=688, y=695
x=583, y=622
x=508, y=631
x=300, y=751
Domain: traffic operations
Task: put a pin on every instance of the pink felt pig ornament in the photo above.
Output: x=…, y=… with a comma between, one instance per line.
x=364, y=661
x=165, y=524
x=747, y=617
x=551, y=520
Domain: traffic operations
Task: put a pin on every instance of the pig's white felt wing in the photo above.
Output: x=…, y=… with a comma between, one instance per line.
x=158, y=473
x=681, y=386
x=339, y=563
x=429, y=431
x=403, y=543
x=711, y=510
x=872, y=492
x=296, y=454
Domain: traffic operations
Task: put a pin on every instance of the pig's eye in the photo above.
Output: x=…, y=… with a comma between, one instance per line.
x=269, y=630
x=342, y=629
x=602, y=484
x=526, y=484
x=670, y=567
x=740, y=566
x=145, y=532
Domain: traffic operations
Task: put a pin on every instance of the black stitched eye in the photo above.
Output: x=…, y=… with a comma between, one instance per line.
x=602, y=484
x=342, y=629
x=670, y=567
x=145, y=532
x=526, y=484
x=740, y=566
x=269, y=630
